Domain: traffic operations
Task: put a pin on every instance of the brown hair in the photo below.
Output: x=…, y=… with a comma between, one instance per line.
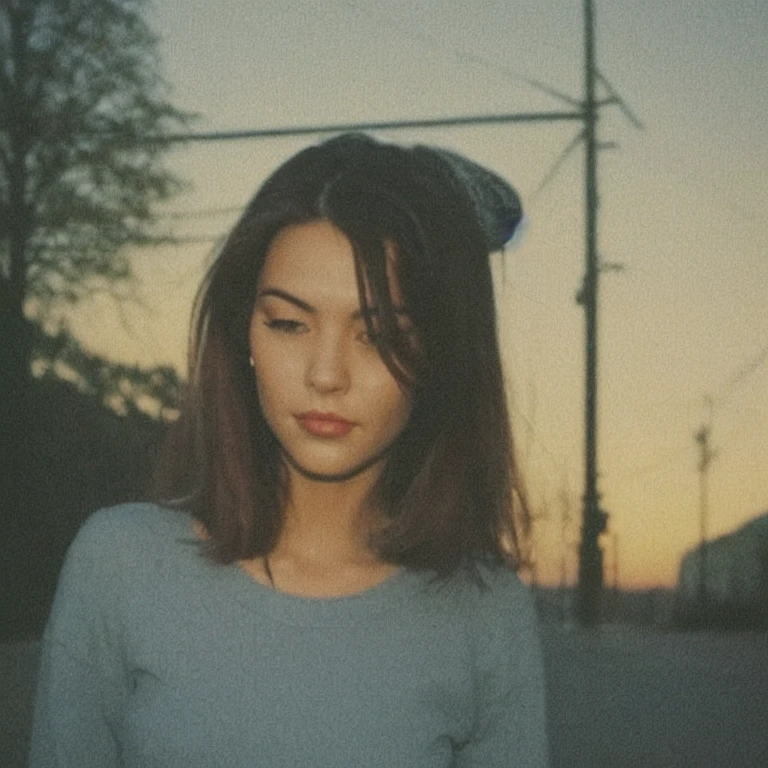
x=450, y=488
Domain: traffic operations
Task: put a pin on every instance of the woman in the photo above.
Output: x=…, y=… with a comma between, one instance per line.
x=330, y=579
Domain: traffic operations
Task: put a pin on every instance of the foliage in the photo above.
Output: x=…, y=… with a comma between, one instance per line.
x=82, y=116
x=124, y=389
x=84, y=121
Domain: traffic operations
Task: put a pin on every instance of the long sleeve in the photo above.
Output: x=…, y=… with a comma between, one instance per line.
x=510, y=729
x=70, y=726
x=80, y=679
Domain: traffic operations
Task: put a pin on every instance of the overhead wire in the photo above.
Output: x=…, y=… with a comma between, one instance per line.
x=463, y=55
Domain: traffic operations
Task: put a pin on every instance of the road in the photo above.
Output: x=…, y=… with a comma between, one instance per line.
x=624, y=697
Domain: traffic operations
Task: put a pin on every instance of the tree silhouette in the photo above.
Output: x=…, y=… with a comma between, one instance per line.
x=125, y=389
x=83, y=110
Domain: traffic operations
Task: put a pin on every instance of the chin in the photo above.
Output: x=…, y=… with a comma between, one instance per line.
x=333, y=474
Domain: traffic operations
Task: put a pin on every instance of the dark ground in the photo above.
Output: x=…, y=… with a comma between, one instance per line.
x=619, y=697
x=622, y=696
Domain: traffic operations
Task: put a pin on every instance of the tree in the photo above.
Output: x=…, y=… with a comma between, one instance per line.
x=83, y=113
x=124, y=389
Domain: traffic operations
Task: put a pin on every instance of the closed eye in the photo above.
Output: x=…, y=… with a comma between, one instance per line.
x=285, y=326
x=373, y=336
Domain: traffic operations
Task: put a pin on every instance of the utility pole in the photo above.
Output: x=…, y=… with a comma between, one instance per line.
x=593, y=518
x=706, y=456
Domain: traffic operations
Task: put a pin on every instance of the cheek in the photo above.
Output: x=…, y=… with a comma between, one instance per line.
x=270, y=376
x=396, y=411
x=272, y=381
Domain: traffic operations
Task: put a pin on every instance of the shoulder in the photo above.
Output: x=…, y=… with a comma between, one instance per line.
x=489, y=593
x=497, y=611
x=118, y=554
x=137, y=523
x=483, y=603
x=505, y=615
x=501, y=588
x=115, y=539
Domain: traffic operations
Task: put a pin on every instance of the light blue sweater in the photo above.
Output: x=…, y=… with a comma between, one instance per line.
x=155, y=656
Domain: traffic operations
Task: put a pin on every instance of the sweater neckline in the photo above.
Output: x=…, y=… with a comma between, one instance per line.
x=302, y=610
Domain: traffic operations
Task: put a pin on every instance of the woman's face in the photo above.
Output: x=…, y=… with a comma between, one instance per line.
x=328, y=396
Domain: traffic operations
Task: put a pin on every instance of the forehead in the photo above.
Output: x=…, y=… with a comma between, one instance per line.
x=305, y=252
x=316, y=261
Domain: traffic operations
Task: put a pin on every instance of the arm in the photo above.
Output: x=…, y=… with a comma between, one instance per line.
x=510, y=724
x=70, y=727
x=80, y=679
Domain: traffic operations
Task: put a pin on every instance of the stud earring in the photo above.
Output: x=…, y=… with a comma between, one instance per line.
x=250, y=360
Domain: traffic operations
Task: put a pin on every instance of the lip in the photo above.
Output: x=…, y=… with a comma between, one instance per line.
x=321, y=424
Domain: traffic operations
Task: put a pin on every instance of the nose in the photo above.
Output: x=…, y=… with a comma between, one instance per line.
x=328, y=368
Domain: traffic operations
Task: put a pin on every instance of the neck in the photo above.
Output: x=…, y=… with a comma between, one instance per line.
x=329, y=521
x=323, y=549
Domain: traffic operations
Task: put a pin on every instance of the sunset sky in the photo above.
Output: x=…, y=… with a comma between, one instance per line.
x=683, y=317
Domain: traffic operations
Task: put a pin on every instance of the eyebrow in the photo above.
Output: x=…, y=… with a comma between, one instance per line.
x=303, y=305
x=285, y=296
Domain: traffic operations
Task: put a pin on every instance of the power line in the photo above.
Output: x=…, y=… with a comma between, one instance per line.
x=193, y=239
x=558, y=164
x=382, y=125
x=744, y=372
x=473, y=58
x=202, y=212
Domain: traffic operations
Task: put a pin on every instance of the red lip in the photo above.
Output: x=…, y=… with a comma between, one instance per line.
x=324, y=424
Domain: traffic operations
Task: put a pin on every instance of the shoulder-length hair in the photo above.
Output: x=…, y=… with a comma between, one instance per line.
x=450, y=488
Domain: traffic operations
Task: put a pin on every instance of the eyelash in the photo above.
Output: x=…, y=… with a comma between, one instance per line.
x=295, y=326
x=284, y=326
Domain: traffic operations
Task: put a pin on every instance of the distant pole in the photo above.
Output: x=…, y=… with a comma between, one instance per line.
x=705, y=459
x=590, y=554
x=565, y=519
